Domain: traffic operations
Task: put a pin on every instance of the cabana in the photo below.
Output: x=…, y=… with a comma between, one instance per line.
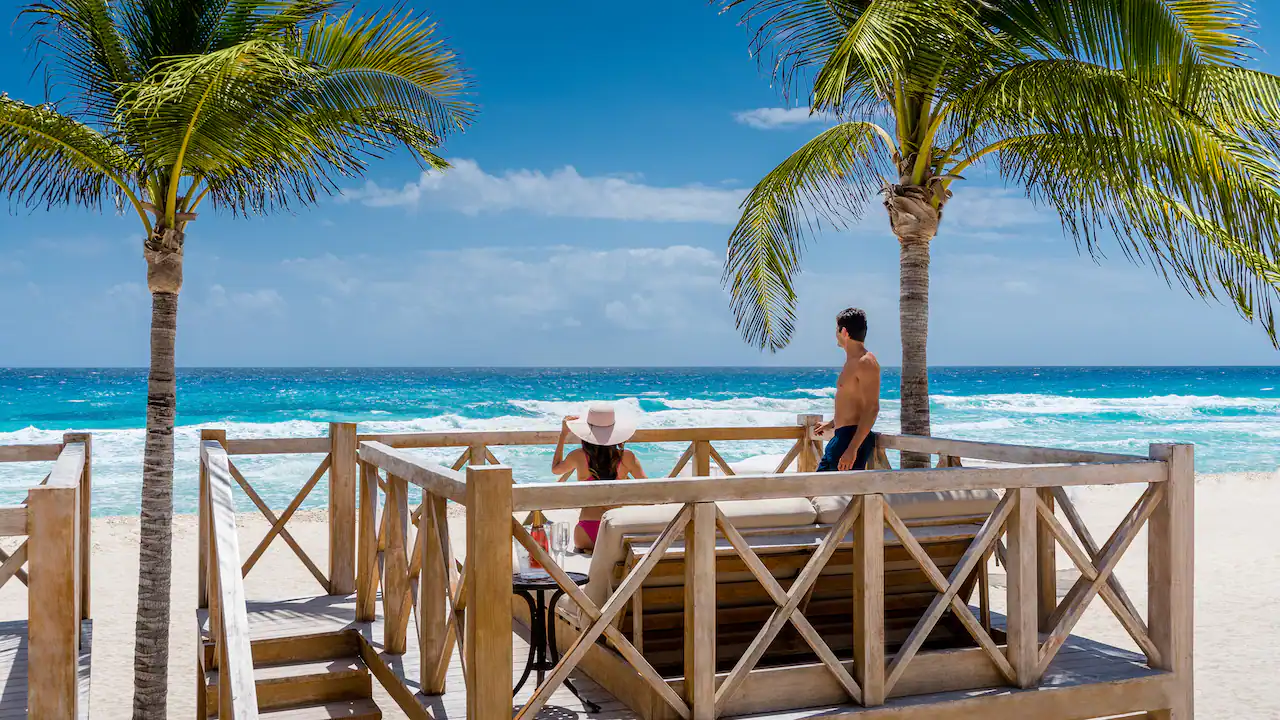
x=730, y=600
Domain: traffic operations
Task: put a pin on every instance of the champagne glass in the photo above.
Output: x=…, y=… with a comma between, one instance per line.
x=560, y=541
x=522, y=558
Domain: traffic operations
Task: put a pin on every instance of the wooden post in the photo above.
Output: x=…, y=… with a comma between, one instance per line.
x=1046, y=566
x=205, y=525
x=367, y=576
x=1171, y=575
x=395, y=567
x=1023, y=619
x=53, y=596
x=86, y=518
x=807, y=460
x=342, y=508
x=700, y=611
x=433, y=588
x=488, y=633
x=701, y=458
x=476, y=455
x=868, y=599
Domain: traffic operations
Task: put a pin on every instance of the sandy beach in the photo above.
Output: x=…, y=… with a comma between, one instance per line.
x=1237, y=589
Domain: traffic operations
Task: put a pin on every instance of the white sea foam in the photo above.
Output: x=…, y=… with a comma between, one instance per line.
x=1159, y=406
x=1240, y=430
x=818, y=392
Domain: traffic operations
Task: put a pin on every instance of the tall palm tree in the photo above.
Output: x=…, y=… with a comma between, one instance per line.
x=1136, y=119
x=250, y=105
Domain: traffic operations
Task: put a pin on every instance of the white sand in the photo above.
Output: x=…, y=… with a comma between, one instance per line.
x=1237, y=593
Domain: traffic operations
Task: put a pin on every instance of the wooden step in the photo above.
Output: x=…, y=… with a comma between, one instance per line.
x=302, y=683
x=347, y=710
x=317, y=646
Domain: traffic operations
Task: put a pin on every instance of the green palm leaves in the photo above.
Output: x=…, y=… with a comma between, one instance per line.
x=829, y=180
x=1132, y=119
x=253, y=104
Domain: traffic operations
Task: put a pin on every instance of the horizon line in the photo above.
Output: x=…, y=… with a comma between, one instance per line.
x=633, y=367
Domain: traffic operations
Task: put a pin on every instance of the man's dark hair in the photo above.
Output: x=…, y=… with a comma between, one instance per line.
x=854, y=322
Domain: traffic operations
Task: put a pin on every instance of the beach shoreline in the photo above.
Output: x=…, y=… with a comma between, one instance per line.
x=1237, y=584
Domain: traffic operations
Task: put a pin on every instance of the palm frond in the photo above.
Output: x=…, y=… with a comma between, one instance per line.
x=85, y=46
x=395, y=62
x=828, y=180
x=1155, y=40
x=792, y=37
x=48, y=159
x=267, y=122
x=1213, y=235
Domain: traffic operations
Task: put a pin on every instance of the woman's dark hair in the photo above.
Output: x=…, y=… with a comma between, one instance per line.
x=603, y=460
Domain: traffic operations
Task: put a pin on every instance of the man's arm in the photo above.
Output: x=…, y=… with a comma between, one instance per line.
x=868, y=374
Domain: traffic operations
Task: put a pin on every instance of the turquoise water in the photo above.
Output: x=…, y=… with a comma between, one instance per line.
x=1232, y=414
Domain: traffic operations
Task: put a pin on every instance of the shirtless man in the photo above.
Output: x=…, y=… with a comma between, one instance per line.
x=857, y=398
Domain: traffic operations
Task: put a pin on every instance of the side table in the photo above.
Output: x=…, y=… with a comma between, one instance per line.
x=535, y=586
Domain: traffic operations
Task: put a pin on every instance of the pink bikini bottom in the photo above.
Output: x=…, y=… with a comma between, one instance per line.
x=591, y=528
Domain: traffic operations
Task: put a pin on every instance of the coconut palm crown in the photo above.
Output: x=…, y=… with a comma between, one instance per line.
x=163, y=108
x=1137, y=120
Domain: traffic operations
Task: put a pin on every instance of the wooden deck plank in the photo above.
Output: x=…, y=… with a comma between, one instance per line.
x=283, y=618
x=13, y=668
x=1084, y=671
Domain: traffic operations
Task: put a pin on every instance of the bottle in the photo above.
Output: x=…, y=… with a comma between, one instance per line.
x=538, y=532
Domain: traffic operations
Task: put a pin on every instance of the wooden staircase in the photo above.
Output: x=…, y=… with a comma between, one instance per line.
x=303, y=677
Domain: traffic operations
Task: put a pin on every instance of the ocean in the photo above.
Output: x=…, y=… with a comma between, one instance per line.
x=1232, y=414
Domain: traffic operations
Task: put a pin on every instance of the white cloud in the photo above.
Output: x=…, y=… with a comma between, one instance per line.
x=264, y=301
x=565, y=192
x=997, y=209
x=653, y=288
x=777, y=118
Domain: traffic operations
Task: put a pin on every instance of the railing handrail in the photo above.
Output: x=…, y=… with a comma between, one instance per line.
x=30, y=452
x=436, y=479
x=978, y=450
x=773, y=486
x=999, y=452
x=235, y=671
x=68, y=468
x=449, y=483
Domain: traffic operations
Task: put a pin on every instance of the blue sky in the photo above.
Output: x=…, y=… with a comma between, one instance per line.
x=584, y=224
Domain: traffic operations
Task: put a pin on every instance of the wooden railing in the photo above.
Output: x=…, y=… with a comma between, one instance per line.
x=338, y=462
x=54, y=517
x=228, y=616
x=1036, y=626
x=406, y=553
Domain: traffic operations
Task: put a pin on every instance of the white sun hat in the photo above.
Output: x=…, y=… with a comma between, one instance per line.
x=603, y=425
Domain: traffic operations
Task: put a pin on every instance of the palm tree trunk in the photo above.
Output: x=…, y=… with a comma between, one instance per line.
x=913, y=317
x=914, y=214
x=155, y=553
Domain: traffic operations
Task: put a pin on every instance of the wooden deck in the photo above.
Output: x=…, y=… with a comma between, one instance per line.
x=1081, y=670
x=13, y=668
x=330, y=613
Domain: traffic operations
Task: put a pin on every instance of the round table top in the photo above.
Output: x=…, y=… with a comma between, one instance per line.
x=540, y=580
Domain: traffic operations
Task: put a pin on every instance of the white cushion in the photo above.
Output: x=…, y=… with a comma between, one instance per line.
x=914, y=506
x=651, y=519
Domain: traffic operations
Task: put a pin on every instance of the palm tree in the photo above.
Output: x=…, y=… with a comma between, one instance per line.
x=1130, y=118
x=250, y=105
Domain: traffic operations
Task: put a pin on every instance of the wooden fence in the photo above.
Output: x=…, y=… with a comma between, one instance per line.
x=1036, y=627
x=418, y=571
x=55, y=520
x=222, y=584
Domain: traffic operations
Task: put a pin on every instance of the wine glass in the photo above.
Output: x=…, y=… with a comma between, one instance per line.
x=522, y=565
x=560, y=541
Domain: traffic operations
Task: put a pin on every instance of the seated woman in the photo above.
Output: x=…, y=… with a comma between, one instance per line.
x=601, y=457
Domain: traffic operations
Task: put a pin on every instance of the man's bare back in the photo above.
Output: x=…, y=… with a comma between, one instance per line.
x=857, y=402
